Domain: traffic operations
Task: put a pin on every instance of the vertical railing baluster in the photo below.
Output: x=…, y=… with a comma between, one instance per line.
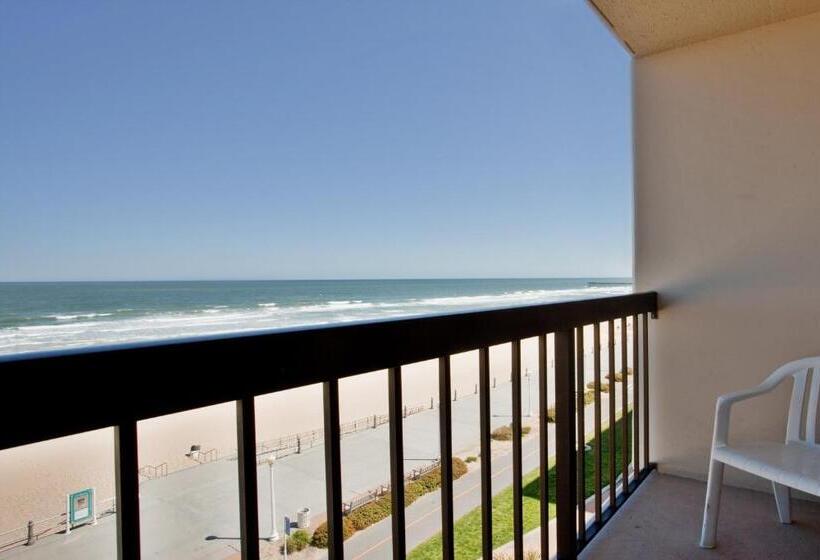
x=624, y=411
x=246, y=465
x=636, y=419
x=394, y=390
x=613, y=441
x=127, y=491
x=333, y=470
x=446, y=443
x=566, y=490
x=580, y=389
x=486, y=472
x=518, y=489
x=598, y=443
x=646, y=390
x=544, y=447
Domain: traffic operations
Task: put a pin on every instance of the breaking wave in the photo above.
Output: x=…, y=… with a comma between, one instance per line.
x=87, y=329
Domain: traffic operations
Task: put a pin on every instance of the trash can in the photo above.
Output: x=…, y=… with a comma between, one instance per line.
x=303, y=518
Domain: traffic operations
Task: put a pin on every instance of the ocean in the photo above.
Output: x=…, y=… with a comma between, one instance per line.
x=41, y=316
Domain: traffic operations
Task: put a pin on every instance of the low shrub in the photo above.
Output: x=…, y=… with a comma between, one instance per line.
x=604, y=387
x=589, y=398
x=299, y=540
x=413, y=492
x=504, y=433
x=320, y=535
x=471, y=459
x=364, y=516
x=430, y=481
x=459, y=468
x=619, y=376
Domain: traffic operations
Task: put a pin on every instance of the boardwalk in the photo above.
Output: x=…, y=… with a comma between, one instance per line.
x=194, y=513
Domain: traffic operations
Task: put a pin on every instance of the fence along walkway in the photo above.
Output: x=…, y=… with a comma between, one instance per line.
x=34, y=530
x=296, y=443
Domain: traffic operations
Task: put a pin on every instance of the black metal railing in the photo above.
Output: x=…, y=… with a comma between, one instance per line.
x=271, y=361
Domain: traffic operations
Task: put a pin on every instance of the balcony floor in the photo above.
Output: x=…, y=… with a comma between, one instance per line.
x=662, y=520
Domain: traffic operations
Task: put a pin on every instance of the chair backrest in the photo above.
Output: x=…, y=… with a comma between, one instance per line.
x=802, y=423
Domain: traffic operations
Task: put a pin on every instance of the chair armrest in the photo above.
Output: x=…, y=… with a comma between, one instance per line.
x=723, y=408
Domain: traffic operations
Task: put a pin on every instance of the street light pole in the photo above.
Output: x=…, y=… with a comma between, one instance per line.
x=529, y=400
x=274, y=534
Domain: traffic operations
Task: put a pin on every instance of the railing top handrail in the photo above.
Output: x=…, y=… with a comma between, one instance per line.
x=263, y=362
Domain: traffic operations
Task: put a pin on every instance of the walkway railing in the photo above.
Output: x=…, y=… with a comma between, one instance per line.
x=40, y=528
x=266, y=362
x=296, y=443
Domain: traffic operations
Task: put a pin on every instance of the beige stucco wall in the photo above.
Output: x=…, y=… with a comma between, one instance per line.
x=727, y=227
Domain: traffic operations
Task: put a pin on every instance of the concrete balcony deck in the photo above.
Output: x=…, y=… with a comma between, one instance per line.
x=662, y=520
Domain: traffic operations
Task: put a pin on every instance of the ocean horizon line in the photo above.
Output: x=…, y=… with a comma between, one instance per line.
x=329, y=279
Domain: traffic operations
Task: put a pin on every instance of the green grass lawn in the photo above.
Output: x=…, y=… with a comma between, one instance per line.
x=468, y=528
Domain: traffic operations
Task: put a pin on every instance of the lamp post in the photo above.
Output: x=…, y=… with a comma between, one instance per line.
x=274, y=534
x=529, y=400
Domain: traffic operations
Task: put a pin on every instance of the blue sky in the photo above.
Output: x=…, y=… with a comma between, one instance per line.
x=332, y=139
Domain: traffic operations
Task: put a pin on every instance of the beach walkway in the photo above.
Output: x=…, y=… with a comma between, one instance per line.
x=193, y=513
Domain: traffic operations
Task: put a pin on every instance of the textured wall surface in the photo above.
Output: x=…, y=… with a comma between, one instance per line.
x=727, y=203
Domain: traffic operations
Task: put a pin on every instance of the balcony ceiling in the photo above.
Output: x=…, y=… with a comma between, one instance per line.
x=650, y=26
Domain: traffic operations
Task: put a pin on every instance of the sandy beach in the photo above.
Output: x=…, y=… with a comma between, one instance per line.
x=37, y=477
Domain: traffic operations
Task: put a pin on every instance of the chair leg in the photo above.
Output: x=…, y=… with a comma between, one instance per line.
x=712, y=507
x=782, y=495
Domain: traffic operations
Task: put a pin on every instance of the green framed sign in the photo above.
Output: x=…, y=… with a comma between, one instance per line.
x=80, y=508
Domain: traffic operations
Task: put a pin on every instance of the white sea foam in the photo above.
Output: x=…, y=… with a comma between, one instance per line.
x=78, y=316
x=83, y=330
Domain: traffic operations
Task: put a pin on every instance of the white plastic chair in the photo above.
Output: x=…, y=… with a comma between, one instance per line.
x=793, y=464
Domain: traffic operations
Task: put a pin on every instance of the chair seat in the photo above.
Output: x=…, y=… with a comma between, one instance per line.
x=795, y=465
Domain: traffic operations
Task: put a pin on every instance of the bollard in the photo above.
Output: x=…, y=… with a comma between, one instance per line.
x=30, y=539
x=431, y=403
x=374, y=421
x=298, y=444
x=405, y=411
x=493, y=382
x=455, y=395
x=475, y=391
